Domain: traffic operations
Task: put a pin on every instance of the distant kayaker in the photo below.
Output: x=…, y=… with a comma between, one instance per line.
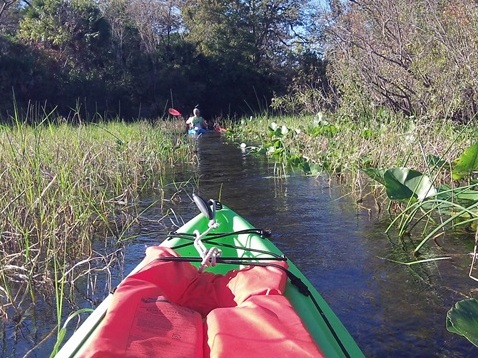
x=196, y=122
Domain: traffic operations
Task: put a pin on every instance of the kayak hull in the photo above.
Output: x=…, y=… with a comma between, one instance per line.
x=321, y=322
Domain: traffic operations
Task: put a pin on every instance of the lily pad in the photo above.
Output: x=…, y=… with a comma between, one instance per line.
x=462, y=319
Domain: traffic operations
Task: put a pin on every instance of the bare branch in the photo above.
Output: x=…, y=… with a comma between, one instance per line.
x=4, y=5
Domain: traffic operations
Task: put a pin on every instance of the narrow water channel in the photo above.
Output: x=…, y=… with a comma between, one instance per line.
x=390, y=309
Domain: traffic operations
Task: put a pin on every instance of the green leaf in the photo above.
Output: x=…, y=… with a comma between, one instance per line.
x=62, y=332
x=403, y=183
x=406, y=184
x=462, y=195
x=315, y=169
x=466, y=163
x=462, y=319
x=376, y=174
x=437, y=162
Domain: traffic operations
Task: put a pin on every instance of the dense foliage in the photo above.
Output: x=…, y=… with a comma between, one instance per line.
x=137, y=58
x=416, y=57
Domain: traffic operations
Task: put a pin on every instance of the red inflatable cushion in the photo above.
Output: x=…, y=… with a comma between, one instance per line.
x=169, y=309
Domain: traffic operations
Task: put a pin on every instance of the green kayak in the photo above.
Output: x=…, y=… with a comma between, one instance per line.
x=216, y=287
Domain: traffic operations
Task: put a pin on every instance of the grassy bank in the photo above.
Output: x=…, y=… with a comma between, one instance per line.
x=333, y=144
x=61, y=187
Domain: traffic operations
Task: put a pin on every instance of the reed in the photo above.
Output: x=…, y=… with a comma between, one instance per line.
x=64, y=186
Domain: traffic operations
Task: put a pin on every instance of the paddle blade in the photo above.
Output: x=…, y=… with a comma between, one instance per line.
x=174, y=112
x=203, y=207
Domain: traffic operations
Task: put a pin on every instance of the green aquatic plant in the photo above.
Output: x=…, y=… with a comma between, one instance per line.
x=63, y=330
x=323, y=129
x=403, y=184
x=424, y=201
x=467, y=164
x=462, y=319
x=279, y=145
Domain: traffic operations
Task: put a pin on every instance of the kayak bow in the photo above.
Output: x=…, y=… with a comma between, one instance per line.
x=221, y=288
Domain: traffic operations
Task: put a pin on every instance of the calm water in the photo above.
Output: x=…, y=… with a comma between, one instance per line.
x=389, y=309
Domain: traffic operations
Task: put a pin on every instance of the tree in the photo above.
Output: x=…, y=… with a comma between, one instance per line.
x=5, y=5
x=73, y=38
x=259, y=30
x=155, y=20
x=75, y=28
x=9, y=16
x=141, y=53
x=249, y=41
x=416, y=57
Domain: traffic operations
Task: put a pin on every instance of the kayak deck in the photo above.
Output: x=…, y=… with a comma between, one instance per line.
x=244, y=245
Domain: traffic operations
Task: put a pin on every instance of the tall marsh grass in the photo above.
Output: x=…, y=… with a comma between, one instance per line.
x=335, y=144
x=61, y=187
